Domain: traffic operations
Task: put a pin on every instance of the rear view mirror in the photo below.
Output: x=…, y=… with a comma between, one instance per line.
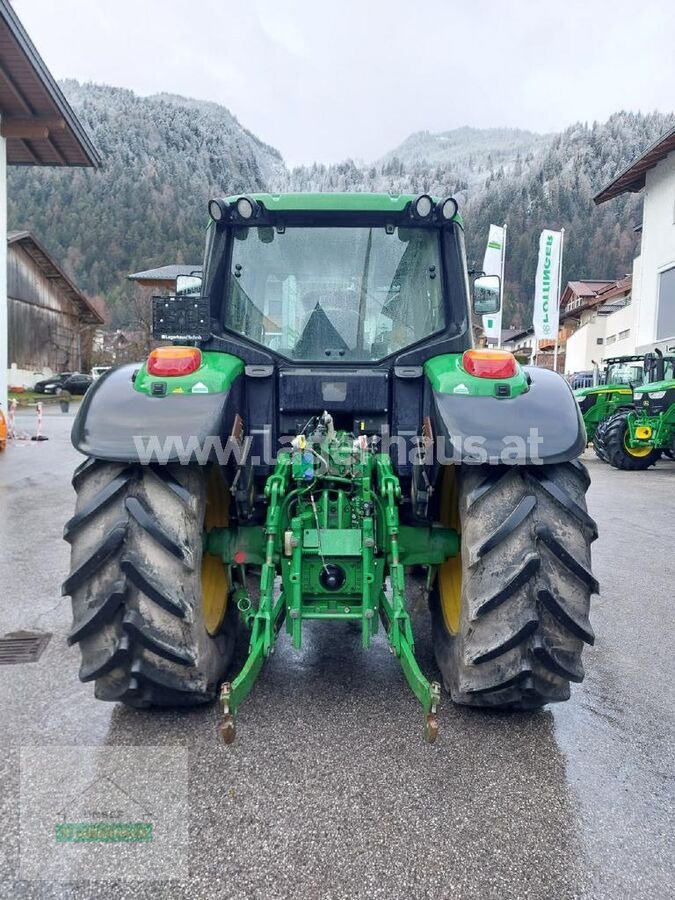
x=189, y=284
x=486, y=295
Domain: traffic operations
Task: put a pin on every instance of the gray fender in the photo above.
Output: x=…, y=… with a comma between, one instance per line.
x=543, y=425
x=118, y=423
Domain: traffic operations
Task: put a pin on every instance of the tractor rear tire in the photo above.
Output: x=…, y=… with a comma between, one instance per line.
x=137, y=580
x=599, y=441
x=614, y=446
x=526, y=584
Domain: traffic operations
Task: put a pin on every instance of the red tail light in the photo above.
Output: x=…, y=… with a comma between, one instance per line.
x=170, y=361
x=490, y=363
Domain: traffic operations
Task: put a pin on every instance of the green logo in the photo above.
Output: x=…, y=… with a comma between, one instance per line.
x=546, y=285
x=103, y=832
x=104, y=813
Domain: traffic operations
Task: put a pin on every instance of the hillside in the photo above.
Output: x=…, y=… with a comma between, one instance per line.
x=550, y=187
x=473, y=152
x=164, y=156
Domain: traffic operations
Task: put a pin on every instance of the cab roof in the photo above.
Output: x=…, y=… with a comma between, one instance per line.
x=355, y=201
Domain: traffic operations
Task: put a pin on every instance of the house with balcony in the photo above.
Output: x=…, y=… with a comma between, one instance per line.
x=596, y=322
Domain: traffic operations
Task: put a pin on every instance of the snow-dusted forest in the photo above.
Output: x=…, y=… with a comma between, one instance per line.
x=164, y=156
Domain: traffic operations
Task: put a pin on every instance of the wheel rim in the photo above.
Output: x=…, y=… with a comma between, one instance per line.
x=215, y=584
x=450, y=573
x=637, y=452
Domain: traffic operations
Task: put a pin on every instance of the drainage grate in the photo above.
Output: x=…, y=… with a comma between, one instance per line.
x=22, y=647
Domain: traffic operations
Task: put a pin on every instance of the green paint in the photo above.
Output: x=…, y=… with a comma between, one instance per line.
x=335, y=202
x=598, y=403
x=447, y=376
x=667, y=385
x=216, y=374
x=546, y=283
x=345, y=515
x=103, y=832
x=662, y=422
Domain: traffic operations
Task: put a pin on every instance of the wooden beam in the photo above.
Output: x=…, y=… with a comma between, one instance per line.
x=39, y=127
x=15, y=92
x=57, y=152
x=27, y=147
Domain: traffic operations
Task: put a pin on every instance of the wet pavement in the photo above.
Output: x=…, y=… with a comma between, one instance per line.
x=329, y=790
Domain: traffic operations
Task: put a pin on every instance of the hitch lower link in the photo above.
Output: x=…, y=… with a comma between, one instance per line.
x=330, y=573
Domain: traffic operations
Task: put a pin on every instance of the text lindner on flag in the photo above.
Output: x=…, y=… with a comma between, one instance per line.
x=546, y=312
x=493, y=264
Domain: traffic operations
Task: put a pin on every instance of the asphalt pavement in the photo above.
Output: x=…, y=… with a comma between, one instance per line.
x=329, y=790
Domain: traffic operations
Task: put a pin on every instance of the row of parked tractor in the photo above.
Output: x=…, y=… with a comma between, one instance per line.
x=629, y=410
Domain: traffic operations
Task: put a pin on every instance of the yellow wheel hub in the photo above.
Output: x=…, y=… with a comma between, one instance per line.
x=637, y=452
x=215, y=585
x=450, y=573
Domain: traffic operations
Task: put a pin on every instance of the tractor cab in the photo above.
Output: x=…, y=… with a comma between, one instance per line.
x=614, y=391
x=624, y=370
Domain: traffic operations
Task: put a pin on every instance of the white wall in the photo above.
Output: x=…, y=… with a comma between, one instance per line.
x=582, y=347
x=26, y=378
x=617, y=324
x=3, y=275
x=658, y=248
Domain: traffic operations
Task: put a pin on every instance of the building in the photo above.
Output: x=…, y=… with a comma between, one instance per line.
x=596, y=322
x=124, y=345
x=51, y=322
x=37, y=128
x=520, y=342
x=651, y=315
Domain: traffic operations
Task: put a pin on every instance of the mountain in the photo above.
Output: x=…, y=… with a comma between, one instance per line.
x=473, y=151
x=164, y=156
x=550, y=186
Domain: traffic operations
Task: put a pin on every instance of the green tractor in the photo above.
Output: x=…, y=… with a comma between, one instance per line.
x=613, y=392
x=635, y=438
x=319, y=428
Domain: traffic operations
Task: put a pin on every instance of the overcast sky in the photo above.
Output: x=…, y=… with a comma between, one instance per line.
x=326, y=80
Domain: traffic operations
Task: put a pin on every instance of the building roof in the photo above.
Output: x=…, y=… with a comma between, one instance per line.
x=581, y=295
x=164, y=275
x=618, y=288
x=88, y=315
x=615, y=296
x=512, y=334
x=588, y=287
x=40, y=127
x=633, y=176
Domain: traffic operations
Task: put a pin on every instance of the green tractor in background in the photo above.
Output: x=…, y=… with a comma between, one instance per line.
x=319, y=427
x=613, y=392
x=635, y=438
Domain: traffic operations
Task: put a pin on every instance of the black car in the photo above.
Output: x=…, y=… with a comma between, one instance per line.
x=75, y=384
x=50, y=385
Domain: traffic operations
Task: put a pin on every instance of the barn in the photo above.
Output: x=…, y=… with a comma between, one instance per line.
x=37, y=128
x=51, y=323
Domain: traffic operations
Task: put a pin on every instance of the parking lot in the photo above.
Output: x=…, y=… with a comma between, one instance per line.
x=329, y=790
